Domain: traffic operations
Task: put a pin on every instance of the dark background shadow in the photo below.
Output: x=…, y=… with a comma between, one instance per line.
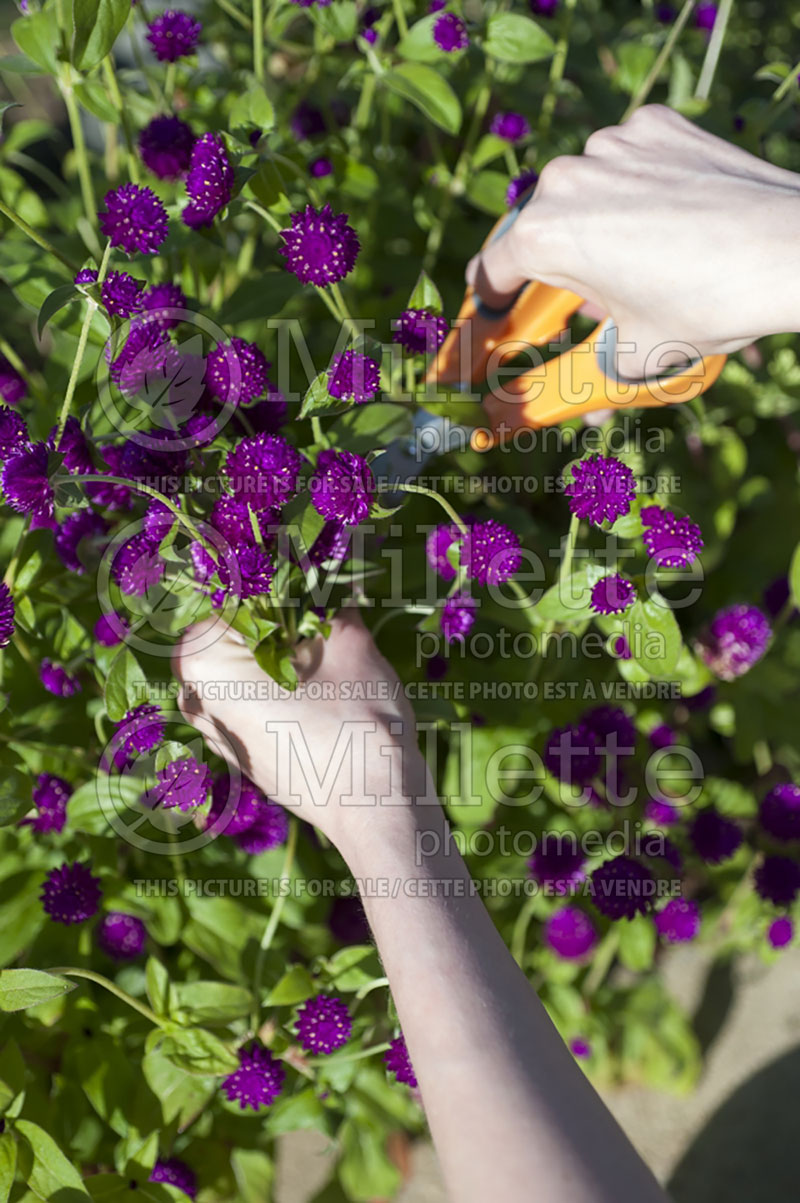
x=749, y=1151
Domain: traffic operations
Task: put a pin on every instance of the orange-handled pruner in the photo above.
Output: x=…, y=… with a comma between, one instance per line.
x=580, y=380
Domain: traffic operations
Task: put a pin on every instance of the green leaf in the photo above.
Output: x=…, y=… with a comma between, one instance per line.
x=298, y=1111
x=634, y=61
x=637, y=943
x=294, y=987
x=656, y=637
x=428, y=91
x=52, y=1175
x=8, y=1164
x=365, y=428
x=426, y=295
x=37, y=36
x=794, y=576
x=570, y=600
x=198, y=1052
x=15, y=797
x=339, y=20
x=516, y=39
x=92, y=95
x=182, y=1095
x=96, y=24
x=365, y=1170
x=487, y=191
x=22, y=988
x=254, y=1173
x=490, y=147
x=158, y=986
x=93, y=802
x=126, y=685
x=252, y=107
x=212, y=1002
x=12, y=1074
x=418, y=44
x=318, y=400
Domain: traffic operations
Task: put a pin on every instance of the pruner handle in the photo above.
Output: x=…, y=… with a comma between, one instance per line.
x=579, y=381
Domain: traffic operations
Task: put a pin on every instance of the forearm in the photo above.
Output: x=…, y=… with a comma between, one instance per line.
x=507, y=1106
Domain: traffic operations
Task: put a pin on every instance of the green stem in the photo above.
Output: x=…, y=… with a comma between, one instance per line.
x=344, y=313
x=663, y=55
x=78, y=141
x=365, y=103
x=233, y=11
x=258, y=40
x=446, y=506
x=11, y=571
x=68, y=971
x=703, y=89
x=274, y=920
x=37, y=238
x=359, y=1056
x=786, y=84
x=569, y=548
x=91, y=308
x=140, y=487
x=556, y=71
x=116, y=100
x=521, y=929
x=602, y=962
x=400, y=17
x=376, y=984
x=262, y=212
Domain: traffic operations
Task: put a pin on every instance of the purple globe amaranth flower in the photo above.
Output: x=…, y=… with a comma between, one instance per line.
x=672, y=542
x=436, y=6
x=557, y=861
x=342, y=487
x=57, y=680
x=121, y=936
x=458, y=617
x=777, y=880
x=511, y=127
x=323, y=1024
x=50, y=797
x=581, y=1049
x=354, y=376
x=237, y=372
x=71, y=894
x=87, y=275
x=665, y=13
x=165, y=145
x=110, y=496
x=245, y=811
x=779, y=813
x=137, y=566
x=602, y=489
x=398, y=1062
x=571, y=754
x=704, y=16
x=736, y=639
x=258, y=1081
x=231, y=517
x=121, y=294
x=347, y=920
x=319, y=168
x=519, y=185
x=776, y=597
x=26, y=484
x=184, y=784
x=269, y=830
x=110, y=629
x=621, y=888
x=147, y=355
x=678, y=921
x=612, y=594
x=613, y=729
x=491, y=553
x=543, y=8
x=655, y=846
x=12, y=385
x=174, y=1172
x=331, y=543
x=173, y=35
x=263, y=470
x=77, y=526
x=370, y=35
x=252, y=575
x=72, y=446
x=135, y=219
x=701, y=700
x=781, y=932
x=663, y=736
x=661, y=812
x=160, y=303
x=141, y=730
x=714, y=837
x=6, y=614
x=620, y=648
x=570, y=933
x=321, y=248
x=439, y=541
x=450, y=33
x=209, y=182
x=263, y=417
x=13, y=432
x=419, y=331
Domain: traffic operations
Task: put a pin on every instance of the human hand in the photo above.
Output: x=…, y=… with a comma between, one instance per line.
x=341, y=751
x=678, y=235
